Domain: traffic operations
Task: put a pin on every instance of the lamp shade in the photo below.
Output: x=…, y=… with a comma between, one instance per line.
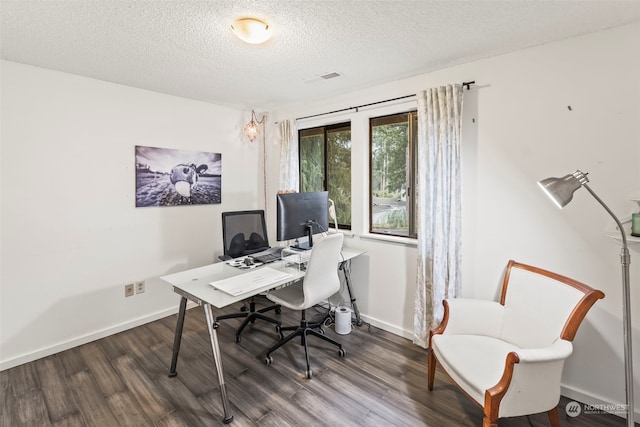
x=251, y=130
x=251, y=30
x=561, y=190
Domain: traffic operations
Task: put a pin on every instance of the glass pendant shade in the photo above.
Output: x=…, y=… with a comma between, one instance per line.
x=251, y=130
x=251, y=30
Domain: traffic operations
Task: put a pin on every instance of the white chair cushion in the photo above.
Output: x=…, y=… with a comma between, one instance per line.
x=536, y=309
x=291, y=296
x=474, y=317
x=474, y=362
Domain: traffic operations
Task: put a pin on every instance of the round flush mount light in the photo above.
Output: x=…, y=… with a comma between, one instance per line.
x=251, y=30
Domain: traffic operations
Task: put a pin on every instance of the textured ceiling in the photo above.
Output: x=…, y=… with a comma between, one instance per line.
x=186, y=48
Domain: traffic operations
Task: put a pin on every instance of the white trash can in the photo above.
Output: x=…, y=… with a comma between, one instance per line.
x=343, y=320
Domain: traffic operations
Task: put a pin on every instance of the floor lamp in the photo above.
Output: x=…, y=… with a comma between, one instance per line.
x=561, y=190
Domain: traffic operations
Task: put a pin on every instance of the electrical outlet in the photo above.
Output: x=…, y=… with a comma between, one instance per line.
x=140, y=287
x=128, y=290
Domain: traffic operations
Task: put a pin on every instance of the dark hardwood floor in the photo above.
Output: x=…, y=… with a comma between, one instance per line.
x=122, y=380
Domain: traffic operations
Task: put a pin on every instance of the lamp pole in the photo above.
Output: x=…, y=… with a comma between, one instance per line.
x=560, y=190
x=625, y=260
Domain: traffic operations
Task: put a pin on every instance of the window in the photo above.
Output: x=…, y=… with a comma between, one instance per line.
x=393, y=174
x=325, y=164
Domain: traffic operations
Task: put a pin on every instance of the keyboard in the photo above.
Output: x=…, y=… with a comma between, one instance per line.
x=238, y=285
x=268, y=255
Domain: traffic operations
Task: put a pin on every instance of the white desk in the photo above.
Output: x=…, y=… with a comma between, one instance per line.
x=194, y=285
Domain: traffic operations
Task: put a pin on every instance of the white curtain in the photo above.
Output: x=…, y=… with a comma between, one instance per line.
x=288, y=180
x=439, y=207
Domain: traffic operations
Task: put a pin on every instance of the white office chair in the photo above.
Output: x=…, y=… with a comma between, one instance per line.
x=320, y=282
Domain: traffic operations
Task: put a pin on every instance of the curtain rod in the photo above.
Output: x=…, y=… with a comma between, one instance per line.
x=464, y=84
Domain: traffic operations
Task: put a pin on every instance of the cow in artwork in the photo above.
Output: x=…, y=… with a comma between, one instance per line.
x=184, y=178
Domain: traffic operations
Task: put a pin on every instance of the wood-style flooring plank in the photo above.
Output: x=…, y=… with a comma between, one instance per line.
x=55, y=388
x=185, y=402
x=24, y=379
x=113, y=346
x=275, y=419
x=74, y=420
x=171, y=420
x=147, y=394
x=126, y=410
x=72, y=361
x=106, y=377
x=7, y=400
x=139, y=351
x=31, y=410
x=90, y=400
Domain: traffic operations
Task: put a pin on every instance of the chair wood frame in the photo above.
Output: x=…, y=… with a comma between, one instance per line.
x=494, y=395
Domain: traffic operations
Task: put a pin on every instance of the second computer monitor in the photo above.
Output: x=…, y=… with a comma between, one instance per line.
x=302, y=215
x=244, y=233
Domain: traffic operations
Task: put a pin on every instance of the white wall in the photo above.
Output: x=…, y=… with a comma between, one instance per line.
x=71, y=234
x=518, y=129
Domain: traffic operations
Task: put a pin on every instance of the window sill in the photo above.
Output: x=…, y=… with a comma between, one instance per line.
x=390, y=239
x=346, y=233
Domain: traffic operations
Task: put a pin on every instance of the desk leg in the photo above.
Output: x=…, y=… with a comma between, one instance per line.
x=347, y=276
x=212, y=324
x=178, y=337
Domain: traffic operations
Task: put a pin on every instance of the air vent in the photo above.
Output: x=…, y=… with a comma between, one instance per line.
x=330, y=76
x=322, y=77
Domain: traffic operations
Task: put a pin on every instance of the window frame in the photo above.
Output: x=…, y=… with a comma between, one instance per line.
x=412, y=171
x=326, y=129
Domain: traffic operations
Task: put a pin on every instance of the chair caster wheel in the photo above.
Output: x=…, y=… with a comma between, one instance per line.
x=341, y=353
x=268, y=360
x=278, y=310
x=237, y=338
x=309, y=373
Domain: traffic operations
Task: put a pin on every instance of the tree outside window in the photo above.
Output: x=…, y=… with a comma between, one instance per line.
x=325, y=165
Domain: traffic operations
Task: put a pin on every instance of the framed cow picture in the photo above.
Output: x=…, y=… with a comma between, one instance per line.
x=168, y=177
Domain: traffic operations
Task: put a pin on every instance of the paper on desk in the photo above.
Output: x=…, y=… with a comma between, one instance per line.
x=247, y=282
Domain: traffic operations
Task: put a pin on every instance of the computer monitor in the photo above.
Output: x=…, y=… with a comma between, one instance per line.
x=302, y=214
x=244, y=233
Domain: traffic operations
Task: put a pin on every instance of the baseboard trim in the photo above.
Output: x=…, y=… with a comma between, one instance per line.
x=75, y=342
x=376, y=322
x=387, y=327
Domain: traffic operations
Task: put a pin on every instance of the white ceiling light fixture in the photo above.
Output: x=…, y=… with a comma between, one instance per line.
x=251, y=30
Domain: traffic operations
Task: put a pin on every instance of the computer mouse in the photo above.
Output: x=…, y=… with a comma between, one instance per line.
x=248, y=261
